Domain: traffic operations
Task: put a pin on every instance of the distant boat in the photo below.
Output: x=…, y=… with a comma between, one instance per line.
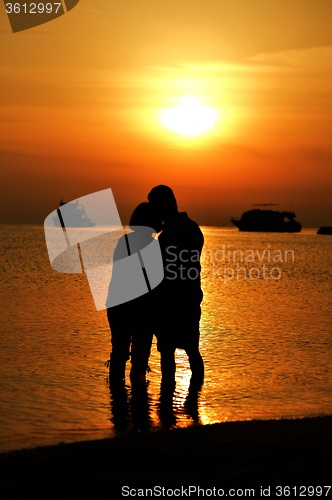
x=267, y=218
x=75, y=216
x=325, y=230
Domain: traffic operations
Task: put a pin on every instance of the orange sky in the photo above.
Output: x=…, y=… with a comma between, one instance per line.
x=81, y=97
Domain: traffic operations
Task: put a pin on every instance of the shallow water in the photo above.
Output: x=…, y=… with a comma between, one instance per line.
x=266, y=342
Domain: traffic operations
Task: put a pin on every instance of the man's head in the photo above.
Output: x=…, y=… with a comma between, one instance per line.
x=163, y=201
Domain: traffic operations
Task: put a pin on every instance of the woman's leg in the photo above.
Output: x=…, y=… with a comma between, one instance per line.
x=120, y=339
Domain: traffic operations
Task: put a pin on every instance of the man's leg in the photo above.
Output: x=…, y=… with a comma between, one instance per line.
x=140, y=353
x=166, y=346
x=167, y=359
x=191, y=327
x=196, y=366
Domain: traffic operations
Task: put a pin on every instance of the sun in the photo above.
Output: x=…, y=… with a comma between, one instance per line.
x=190, y=118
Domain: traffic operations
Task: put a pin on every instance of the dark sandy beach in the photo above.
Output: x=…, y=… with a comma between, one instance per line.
x=237, y=455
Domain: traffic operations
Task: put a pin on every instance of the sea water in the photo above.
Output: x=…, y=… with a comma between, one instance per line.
x=266, y=341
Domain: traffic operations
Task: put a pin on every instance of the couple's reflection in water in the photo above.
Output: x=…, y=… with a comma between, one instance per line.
x=132, y=408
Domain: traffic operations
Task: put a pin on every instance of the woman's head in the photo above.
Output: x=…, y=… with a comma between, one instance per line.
x=143, y=215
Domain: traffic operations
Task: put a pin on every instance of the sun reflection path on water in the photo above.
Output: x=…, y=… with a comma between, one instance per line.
x=182, y=378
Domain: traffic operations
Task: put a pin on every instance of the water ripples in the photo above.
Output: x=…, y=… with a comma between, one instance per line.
x=266, y=343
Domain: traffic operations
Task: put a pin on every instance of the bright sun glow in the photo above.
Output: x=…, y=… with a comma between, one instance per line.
x=190, y=118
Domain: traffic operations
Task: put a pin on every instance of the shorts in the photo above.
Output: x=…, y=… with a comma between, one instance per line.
x=180, y=330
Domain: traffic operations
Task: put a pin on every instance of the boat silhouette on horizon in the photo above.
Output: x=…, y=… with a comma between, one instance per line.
x=75, y=216
x=325, y=230
x=267, y=218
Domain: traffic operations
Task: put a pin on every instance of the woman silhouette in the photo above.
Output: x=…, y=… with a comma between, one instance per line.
x=131, y=322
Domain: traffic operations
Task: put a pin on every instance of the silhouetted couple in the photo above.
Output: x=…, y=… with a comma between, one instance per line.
x=172, y=310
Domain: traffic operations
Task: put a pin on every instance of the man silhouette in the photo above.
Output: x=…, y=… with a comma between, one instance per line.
x=180, y=293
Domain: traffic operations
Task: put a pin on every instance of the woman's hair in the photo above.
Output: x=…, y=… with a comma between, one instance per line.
x=143, y=215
